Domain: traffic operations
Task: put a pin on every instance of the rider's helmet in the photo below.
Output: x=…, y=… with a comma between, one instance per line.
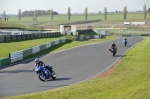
x=36, y=60
x=112, y=43
x=124, y=37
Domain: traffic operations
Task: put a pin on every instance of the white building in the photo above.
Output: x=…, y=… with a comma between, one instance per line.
x=138, y=23
x=126, y=23
x=68, y=29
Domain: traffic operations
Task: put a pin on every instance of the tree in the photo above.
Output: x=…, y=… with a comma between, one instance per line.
x=31, y=13
x=99, y=12
x=51, y=13
x=19, y=14
x=149, y=10
x=86, y=13
x=4, y=15
x=125, y=12
x=42, y=12
x=144, y=11
x=105, y=13
x=116, y=11
x=69, y=13
x=35, y=16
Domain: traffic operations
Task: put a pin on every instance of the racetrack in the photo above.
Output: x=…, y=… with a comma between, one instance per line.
x=71, y=66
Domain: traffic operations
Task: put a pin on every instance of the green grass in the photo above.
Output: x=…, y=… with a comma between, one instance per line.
x=60, y=19
x=130, y=80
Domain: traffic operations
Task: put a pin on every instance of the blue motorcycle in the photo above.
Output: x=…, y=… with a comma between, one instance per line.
x=125, y=41
x=45, y=72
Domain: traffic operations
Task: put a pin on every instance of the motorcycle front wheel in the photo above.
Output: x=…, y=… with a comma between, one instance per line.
x=42, y=76
x=53, y=75
x=125, y=43
x=114, y=53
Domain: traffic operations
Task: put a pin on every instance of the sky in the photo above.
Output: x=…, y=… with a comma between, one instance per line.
x=77, y=6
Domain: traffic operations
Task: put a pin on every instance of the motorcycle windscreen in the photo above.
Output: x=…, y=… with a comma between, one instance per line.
x=37, y=68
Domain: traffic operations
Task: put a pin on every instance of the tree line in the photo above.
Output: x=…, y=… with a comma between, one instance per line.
x=36, y=13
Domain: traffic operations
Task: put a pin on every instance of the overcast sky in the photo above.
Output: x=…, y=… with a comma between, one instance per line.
x=77, y=6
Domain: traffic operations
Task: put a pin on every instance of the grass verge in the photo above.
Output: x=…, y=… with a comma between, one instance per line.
x=129, y=80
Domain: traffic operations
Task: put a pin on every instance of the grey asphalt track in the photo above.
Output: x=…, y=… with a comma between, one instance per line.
x=71, y=66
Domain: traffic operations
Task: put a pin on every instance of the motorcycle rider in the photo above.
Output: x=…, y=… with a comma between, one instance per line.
x=38, y=62
x=113, y=45
x=124, y=39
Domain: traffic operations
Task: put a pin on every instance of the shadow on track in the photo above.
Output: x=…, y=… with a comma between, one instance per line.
x=15, y=71
x=120, y=55
x=60, y=79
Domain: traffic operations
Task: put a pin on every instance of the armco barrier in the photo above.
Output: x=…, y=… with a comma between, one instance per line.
x=4, y=61
x=145, y=34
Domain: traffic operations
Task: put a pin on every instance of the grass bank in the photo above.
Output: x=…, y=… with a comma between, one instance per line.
x=129, y=79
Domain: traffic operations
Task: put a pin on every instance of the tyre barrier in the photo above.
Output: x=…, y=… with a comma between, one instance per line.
x=20, y=55
x=82, y=38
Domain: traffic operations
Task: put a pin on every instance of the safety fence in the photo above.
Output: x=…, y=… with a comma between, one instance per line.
x=127, y=35
x=82, y=31
x=4, y=38
x=20, y=55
